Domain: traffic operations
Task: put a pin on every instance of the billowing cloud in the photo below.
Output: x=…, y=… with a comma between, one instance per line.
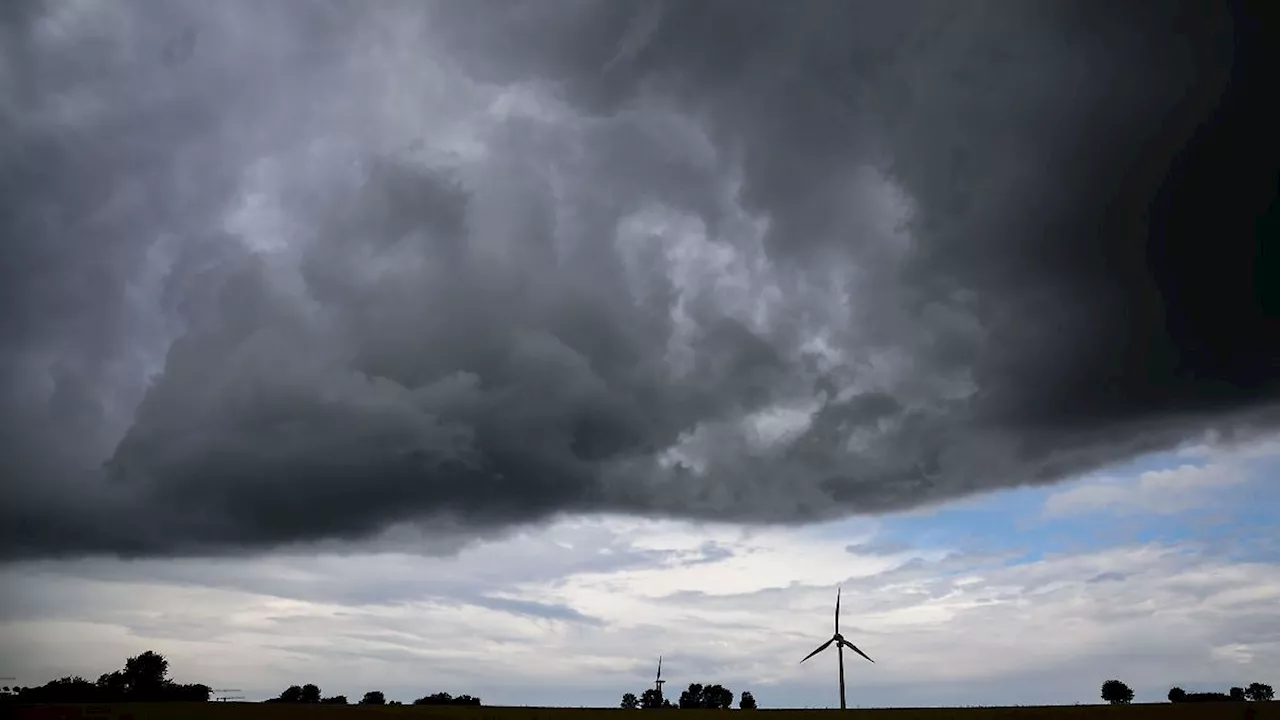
x=293, y=273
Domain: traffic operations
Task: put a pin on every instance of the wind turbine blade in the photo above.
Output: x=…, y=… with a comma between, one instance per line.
x=659, y=668
x=821, y=647
x=854, y=648
x=837, y=609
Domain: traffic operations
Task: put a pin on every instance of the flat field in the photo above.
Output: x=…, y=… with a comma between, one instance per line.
x=262, y=711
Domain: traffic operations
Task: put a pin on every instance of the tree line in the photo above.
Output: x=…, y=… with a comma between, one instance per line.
x=1118, y=693
x=145, y=678
x=310, y=693
x=696, y=697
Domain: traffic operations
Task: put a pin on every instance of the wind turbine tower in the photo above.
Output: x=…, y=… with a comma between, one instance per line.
x=841, y=644
x=657, y=681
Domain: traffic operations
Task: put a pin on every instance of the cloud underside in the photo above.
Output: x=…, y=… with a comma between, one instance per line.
x=302, y=273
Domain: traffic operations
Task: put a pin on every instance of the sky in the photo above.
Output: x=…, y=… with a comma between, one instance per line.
x=301, y=300
x=1164, y=571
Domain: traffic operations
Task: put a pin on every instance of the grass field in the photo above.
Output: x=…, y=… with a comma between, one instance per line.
x=260, y=711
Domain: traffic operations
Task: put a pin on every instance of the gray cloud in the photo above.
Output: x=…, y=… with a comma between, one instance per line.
x=486, y=575
x=877, y=548
x=288, y=273
x=546, y=611
x=1184, y=615
x=1107, y=577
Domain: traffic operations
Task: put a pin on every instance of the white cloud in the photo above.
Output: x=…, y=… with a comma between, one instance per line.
x=591, y=603
x=1158, y=491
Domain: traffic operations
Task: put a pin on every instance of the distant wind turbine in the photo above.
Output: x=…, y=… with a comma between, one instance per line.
x=657, y=681
x=841, y=644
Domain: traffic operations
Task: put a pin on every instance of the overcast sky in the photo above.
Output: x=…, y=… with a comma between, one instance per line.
x=1160, y=572
x=510, y=343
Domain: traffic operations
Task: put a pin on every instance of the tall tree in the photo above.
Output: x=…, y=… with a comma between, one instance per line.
x=691, y=698
x=146, y=673
x=1116, y=692
x=717, y=697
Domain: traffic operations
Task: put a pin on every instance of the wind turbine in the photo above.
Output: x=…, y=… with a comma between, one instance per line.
x=841, y=644
x=657, y=681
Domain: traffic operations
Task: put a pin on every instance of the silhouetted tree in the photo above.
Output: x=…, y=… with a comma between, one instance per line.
x=1259, y=692
x=1177, y=694
x=309, y=693
x=691, y=698
x=717, y=697
x=1116, y=692
x=1236, y=693
x=747, y=701
x=71, y=689
x=629, y=701
x=146, y=673
x=113, y=686
x=710, y=697
x=651, y=699
x=143, y=679
x=444, y=698
x=191, y=692
x=373, y=697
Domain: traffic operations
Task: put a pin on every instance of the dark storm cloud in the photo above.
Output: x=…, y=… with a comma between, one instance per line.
x=284, y=272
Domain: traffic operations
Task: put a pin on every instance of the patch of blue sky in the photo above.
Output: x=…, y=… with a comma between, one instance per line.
x=1000, y=523
x=1237, y=521
x=1249, y=532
